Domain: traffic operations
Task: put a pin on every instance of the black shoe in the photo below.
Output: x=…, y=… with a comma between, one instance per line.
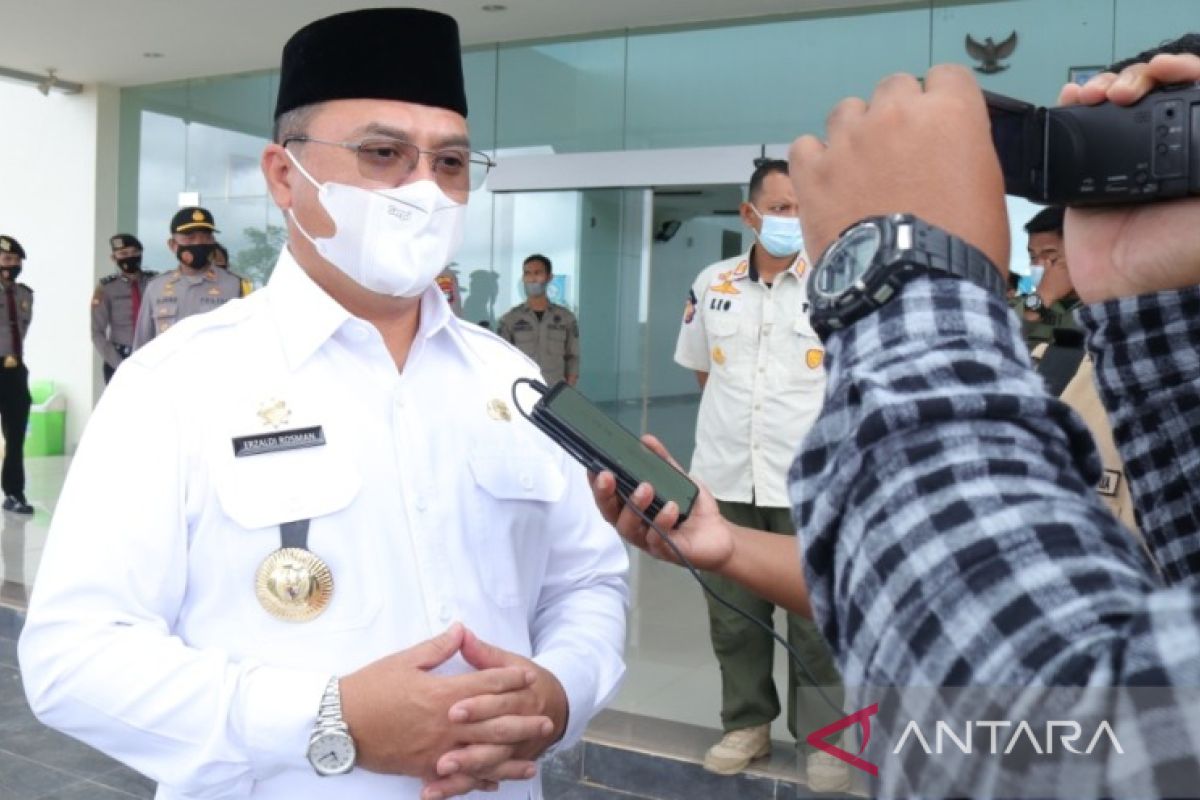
x=21, y=507
x=9, y=504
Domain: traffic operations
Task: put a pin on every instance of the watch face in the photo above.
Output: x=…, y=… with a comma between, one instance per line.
x=332, y=753
x=848, y=260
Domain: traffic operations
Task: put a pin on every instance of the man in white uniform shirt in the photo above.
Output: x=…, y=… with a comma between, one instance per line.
x=338, y=580
x=746, y=334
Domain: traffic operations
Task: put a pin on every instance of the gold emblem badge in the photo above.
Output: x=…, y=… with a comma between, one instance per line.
x=5, y=245
x=801, y=265
x=10, y=362
x=274, y=413
x=294, y=585
x=718, y=355
x=197, y=216
x=498, y=410
x=726, y=287
x=814, y=358
x=214, y=292
x=741, y=269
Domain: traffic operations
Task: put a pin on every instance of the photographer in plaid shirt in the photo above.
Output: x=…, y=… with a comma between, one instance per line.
x=951, y=534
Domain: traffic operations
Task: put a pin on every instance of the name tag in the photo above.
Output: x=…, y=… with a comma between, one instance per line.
x=295, y=439
x=1110, y=481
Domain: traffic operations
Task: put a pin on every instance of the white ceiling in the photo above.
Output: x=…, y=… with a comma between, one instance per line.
x=103, y=41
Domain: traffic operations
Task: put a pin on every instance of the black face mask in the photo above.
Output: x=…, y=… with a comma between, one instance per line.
x=10, y=273
x=130, y=264
x=195, y=255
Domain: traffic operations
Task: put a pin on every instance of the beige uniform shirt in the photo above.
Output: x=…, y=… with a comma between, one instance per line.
x=173, y=296
x=113, y=322
x=1082, y=396
x=23, y=302
x=766, y=377
x=552, y=341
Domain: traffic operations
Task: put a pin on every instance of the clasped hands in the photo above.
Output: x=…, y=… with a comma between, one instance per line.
x=457, y=733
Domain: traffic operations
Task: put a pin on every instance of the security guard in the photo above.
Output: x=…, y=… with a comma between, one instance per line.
x=220, y=258
x=354, y=569
x=193, y=287
x=117, y=301
x=546, y=332
x=17, y=311
x=746, y=334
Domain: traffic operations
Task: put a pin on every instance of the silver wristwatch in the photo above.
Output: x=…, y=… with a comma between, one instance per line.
x=331, y=750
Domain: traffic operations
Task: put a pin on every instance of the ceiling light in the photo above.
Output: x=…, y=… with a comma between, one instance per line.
x=495, y=7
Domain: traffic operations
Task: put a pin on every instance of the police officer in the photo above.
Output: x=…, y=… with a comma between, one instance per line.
x=220, y=258
x=15, y=314
x=546, y=332
x=117, y=301
x=195, y=286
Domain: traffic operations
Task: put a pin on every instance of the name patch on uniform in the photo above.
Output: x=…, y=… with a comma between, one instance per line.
x=279, y=441
x=1110, y=481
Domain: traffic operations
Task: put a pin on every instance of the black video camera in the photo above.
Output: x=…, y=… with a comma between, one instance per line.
x=1100, y=155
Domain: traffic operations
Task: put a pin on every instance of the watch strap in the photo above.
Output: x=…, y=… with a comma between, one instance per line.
x=952, y=255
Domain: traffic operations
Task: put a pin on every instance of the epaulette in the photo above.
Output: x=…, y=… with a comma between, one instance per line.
x=107, y=279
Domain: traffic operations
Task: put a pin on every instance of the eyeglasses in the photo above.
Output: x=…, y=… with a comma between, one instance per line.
x=391, y=161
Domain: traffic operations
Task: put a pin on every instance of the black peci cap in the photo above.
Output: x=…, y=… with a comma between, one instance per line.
x=405, y=54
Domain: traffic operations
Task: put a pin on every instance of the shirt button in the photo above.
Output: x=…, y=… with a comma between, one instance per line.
x=527, y=482
x=446, y=613
x=421, y=503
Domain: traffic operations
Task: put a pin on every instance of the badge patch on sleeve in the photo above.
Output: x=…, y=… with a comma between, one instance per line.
x=278, y=441
x=689, y=309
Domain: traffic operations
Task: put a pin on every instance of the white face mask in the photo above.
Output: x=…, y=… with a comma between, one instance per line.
x=393, y=242
x=780, y=236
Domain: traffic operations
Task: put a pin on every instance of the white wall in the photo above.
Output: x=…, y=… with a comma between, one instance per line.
x=58, y=199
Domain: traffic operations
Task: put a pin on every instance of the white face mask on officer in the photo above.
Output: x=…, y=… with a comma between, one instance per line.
x=393, y=242
x=780, y=236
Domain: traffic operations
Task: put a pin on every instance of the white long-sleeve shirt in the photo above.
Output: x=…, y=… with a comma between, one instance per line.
x=144, y=637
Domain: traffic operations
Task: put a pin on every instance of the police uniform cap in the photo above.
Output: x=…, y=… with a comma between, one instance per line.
x=192, y=218
x=11, y=245
x=405, y=54
x=126, y=240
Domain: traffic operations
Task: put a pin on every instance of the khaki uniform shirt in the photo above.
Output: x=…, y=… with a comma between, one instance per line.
x=1082, y=396
x=24, y=306
x=113, y=322
x=173, y=296
x=552, y=341
x=766, y=377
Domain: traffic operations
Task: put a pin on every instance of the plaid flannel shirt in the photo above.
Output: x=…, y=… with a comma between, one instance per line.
x=952, y=535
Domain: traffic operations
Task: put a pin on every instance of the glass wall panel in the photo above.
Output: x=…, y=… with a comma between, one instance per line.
x=1051, y=39
x=764, y=82
x=563, y=97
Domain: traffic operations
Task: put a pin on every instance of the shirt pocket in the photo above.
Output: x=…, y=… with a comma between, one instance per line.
x=514, y=493
x=556, y=341
x=258, y=494
x=723, y=344
x=803, y=356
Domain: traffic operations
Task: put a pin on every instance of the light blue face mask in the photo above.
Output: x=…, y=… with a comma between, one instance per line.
x=1028, y=284
x=780, y=236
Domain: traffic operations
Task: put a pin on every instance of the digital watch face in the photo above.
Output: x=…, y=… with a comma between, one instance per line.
x=848, y=260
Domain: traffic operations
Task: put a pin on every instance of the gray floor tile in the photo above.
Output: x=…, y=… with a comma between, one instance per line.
x=126, y=780
x=666, y=779
x=8, y=652
x=84, y=790
x=561, y=789
x=22, y=779
x=567, y=764
x=32, y=740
